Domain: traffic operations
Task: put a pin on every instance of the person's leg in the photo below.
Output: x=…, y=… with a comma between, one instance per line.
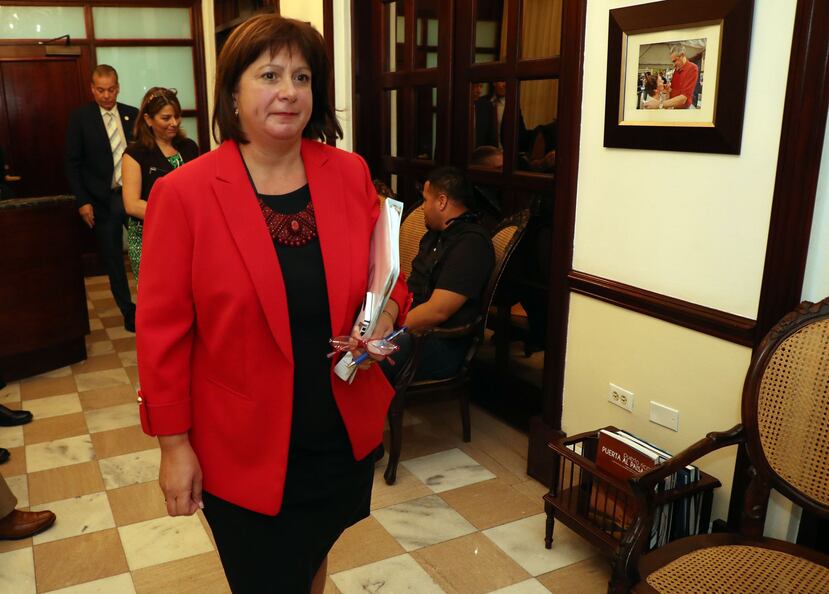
x=7, y=499
x=440, y=358
x=392, y=369
x=108, y=225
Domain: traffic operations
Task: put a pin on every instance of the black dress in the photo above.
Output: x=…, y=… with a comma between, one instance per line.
x=326, y=490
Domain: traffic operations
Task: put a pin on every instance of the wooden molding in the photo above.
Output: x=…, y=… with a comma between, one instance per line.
x=676, y=311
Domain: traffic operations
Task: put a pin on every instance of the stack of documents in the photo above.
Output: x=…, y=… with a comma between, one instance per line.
x=384, y=268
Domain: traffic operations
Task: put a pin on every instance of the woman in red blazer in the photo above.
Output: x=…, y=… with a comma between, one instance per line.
x=254, y=255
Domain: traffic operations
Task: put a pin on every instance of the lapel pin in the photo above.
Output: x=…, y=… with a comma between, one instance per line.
x=127, y=118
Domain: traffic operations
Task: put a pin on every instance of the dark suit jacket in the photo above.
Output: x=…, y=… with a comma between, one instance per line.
x=486, y=132
x=88, y=154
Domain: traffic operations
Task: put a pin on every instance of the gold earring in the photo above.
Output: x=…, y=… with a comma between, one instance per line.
x=236, y=112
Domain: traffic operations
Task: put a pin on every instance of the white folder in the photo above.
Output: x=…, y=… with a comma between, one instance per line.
x=383, y=270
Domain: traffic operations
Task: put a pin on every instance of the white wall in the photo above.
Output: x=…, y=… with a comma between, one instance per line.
x=209, y=59
x=692, y=226
x=816, y=282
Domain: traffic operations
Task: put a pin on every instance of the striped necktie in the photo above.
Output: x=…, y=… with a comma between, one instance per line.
x=117, y=148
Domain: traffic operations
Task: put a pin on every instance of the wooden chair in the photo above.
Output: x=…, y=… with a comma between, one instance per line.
x=504, y=240
x=785, y=433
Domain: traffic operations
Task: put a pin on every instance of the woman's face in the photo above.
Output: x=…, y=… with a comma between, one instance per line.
x=660, y=84
x=165, y=123
x=274, y=97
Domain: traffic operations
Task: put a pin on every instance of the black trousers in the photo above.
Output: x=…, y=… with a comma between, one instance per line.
x=109, y=220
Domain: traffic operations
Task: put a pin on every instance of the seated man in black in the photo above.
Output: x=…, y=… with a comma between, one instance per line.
x=449, y=275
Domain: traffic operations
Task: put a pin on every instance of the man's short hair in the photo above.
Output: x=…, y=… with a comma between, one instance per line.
x=452, y=182
x=483, y=153
x=678, y=50
x=102, y=70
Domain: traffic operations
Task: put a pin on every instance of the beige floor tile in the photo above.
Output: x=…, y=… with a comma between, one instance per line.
x=330, y=587
x=105, y=397
x=113, y=417
x=491, y=503
x=108, y=312
x=406, y=488
x=60, y=452
x=65, y=371
x=137, y=503
x=65, y=482
x=200, y=574
x=101, y=379
x=99, y=293
x=483, y=458
x=128, y=358
x=80, y=559
x=17, y=572
x=532, y=489
x=99, y=348
x=6, y=546
x=53, y=406
x=104, y=302
x=98, y=363
x=530, y=586
x=124, y=344
x=19, y=485
x=10, y=394
x=132, y=373
x=424, y=439
x=122, y=441
x=163, y=539
x=95, y=324
x=118, y=332
x=365, y=542
x=130, y=469
x=76, y=516
x=39, y=388
x=112, y=322
x=17, y=459
x=51, y=428
x=469, y=565
x=117, y=584
x=96, y=336
x=11, y=437
x=585, y=577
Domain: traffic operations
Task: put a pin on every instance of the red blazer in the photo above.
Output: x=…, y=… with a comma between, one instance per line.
x=213, y=335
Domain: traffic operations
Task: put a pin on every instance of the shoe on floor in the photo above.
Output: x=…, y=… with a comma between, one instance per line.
x=22, y=524
x=4, y=455
x=129, y=324
x=10, y=418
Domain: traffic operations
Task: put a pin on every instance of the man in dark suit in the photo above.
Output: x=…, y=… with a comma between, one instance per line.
x=489, y=119
x=97, y=136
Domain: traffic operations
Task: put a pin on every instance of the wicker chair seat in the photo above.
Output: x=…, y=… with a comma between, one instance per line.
x=739, y=569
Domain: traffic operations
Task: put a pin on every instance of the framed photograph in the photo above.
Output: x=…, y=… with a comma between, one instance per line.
x=676, y=75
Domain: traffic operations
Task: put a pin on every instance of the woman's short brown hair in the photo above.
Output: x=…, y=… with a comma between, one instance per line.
x=155, y=99
x=270, y=32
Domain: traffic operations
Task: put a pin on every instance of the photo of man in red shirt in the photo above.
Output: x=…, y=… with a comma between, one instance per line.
x=684, y=80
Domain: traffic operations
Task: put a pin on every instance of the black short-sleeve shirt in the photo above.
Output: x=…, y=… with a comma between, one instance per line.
x=458, y=259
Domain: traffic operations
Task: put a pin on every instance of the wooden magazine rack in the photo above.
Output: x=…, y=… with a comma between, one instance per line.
x=602, y=508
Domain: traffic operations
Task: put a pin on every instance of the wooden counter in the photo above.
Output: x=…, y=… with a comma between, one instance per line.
x=43, y=314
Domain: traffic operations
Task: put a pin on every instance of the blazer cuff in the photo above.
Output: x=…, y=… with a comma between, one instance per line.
x=165, y=419
x=404, y=304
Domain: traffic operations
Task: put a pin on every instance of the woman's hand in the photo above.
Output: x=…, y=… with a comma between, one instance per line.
x=383, y=327
x=180, y=475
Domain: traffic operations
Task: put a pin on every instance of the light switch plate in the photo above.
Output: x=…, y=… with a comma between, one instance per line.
x=665, y=416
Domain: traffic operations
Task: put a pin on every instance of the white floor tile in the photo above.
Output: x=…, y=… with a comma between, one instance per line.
x=17, y=572
x=61, y=452
x=11, y=393
x=523, y=540
x=447, y=470
x=531, y=586
x=19, y=485
x=101, y=347
x=130, y=469
x=101, y=379
x=112, y=417
x=162, y=540
x=397, y=575
x=54, y=406
x=422, y=522
x=76, y=516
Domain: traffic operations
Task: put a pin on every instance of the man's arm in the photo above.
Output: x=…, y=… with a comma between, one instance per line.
x=441, y=306
x=74, y=159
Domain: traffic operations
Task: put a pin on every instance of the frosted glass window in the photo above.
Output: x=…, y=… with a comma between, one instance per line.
x=191, y=128
x=140, y=68
x=141, y=23
x=41, y=22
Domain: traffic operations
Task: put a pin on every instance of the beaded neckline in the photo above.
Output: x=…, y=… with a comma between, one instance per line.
x=290, y=230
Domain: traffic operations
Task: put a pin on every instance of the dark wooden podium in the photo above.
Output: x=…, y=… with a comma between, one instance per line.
x=43, y=314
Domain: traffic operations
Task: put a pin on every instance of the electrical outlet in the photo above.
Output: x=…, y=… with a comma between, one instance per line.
x=620, y=397
x=665, y=416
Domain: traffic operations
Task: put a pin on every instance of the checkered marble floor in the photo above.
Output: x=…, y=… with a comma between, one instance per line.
x=462, y=518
